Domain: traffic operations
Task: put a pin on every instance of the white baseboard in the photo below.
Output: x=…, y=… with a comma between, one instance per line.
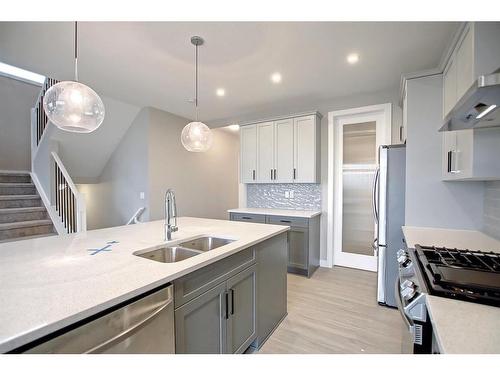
x=324, y=263
x=56, y=220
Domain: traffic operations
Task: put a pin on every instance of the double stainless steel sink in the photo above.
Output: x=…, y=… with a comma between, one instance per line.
x=184, y=250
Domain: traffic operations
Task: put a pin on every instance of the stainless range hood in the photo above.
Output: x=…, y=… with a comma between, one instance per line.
x=479, y=107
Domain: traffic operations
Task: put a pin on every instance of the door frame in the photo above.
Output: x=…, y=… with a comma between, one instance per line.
x=379, y=112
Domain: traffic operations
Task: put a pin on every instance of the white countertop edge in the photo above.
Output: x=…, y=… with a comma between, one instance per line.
x=41, y=331
x=277, y=212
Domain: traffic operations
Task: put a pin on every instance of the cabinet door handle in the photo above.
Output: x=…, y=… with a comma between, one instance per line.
x=449, y=160
x=226, y=307
x=271, y=174
x=275, y=174
x=232, y=301
x=294, y=173
x=253, y=174
x=401, y=133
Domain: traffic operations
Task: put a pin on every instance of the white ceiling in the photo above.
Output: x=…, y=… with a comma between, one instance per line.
x=152, y=64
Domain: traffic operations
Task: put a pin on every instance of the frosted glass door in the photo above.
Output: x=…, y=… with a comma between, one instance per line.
x=358, y=171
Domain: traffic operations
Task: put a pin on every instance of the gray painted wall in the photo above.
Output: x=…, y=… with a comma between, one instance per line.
x=17, y=98
x=150, y=158
x=113, y=200
x=305, y=196
x=205, y=184
x=492, y=209
x=430, y=202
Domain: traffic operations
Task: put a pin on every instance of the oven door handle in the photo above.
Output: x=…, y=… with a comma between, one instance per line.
x=399, y=302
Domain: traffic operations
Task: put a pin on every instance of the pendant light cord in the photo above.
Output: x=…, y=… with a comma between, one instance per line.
x=196, y=82
x=76, y=51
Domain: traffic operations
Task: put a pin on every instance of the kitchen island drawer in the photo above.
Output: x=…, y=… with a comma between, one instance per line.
x=198, y=282
x=251, y=218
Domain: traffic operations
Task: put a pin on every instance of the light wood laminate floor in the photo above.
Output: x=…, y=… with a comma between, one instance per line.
x=336, y=311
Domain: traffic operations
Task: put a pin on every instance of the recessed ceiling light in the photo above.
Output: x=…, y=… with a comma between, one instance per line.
x=234, y=127
x=352, y=58
x=276, y=77
x=220, y=92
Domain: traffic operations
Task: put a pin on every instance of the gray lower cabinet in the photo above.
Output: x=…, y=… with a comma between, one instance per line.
x=303, y=250
x=221, y=320
x=200, y=325
x=234, y=303
x=241, y=322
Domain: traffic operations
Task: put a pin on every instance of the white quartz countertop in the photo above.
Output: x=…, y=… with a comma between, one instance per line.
x=461, y=239
x=49, y=283
x=460, y=327
x=277, y=212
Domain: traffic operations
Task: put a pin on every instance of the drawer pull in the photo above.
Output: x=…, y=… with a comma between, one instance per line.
x=285, y=221
x=246, y=218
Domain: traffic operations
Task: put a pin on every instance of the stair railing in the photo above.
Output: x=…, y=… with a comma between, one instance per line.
x=40, y=119
x=135, y=218
x=68, y=201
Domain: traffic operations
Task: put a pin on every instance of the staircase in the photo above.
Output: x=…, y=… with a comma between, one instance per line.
x=22, y=213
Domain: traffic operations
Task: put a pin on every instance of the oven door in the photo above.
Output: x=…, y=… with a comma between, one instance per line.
x=408, y=326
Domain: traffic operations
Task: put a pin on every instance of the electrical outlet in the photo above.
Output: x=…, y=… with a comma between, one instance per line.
x=142, y=195
x=287, y=194
x=291, y=193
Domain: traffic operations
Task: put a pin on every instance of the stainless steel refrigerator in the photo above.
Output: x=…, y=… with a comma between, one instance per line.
x=389, y=212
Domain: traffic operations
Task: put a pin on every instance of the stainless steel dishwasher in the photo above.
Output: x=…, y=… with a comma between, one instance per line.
x=145, y=325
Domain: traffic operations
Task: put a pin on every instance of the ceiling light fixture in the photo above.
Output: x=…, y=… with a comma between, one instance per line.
x=196, y=136
x=276, y=77
x=220, y=92
x=73, y=106
x=352, y=58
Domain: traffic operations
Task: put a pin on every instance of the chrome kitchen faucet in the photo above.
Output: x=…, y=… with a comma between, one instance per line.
x=170, y=214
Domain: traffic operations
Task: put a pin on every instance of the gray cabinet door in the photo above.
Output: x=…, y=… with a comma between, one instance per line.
x=200, y=325
x=298, y=248
x=241, y=325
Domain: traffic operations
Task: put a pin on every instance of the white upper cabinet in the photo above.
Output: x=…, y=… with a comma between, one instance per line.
x=306, y=149
x=265, y=152
x=464, y=65
x=283, y=144
x=449, y=87
x=471, y=154
x=248, y=154
x=287, y=150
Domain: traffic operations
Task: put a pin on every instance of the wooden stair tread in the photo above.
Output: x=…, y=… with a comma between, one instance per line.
x=24, y=224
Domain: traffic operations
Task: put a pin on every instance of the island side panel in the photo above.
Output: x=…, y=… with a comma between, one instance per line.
x=272, y=259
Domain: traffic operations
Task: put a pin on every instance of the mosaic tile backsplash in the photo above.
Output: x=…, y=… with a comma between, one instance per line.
x=305, y=196
x=492, y=209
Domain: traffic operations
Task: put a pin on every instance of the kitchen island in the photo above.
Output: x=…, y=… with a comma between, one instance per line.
x=50, y=283
x=459, y=327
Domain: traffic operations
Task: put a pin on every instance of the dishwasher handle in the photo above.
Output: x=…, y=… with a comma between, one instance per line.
x=129, y=331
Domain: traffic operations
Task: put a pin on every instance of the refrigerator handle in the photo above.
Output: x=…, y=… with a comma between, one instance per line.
x=374, y=195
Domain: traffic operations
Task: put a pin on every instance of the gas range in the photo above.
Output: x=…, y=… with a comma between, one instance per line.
x=468, y=275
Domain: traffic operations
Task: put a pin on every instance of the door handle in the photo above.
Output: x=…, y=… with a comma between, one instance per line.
x=232, y=301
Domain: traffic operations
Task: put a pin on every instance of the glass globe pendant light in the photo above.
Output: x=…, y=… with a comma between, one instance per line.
x=196, y=136
x=73, y=106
